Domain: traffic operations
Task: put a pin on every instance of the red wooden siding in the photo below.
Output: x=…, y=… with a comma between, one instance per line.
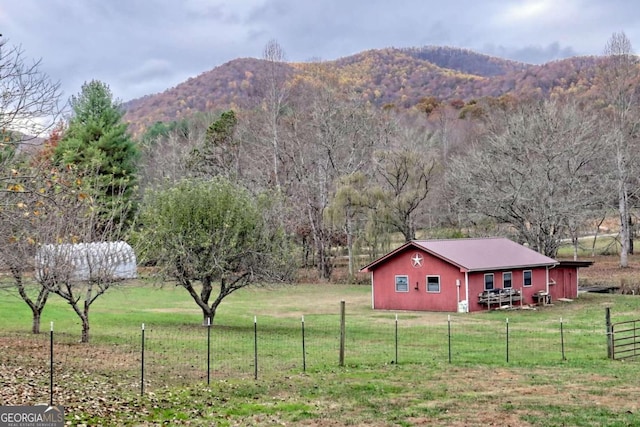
x=385, y=296
x=538, y=283
x=461, y=267
x=563, y=282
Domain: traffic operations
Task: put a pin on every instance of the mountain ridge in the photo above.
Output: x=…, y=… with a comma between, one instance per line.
x=390, y=76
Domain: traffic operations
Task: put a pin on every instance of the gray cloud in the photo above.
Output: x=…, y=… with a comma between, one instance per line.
x=142, y=47
x=531, y=54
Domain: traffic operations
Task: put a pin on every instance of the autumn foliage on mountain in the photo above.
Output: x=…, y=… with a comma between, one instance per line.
x=403, y=78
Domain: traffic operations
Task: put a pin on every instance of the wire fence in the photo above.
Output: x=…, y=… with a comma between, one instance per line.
x=145, y=357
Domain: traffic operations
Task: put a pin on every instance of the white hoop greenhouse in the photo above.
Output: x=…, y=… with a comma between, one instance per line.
x=86, y=261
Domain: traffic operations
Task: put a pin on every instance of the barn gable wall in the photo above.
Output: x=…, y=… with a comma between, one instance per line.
x=385, y=296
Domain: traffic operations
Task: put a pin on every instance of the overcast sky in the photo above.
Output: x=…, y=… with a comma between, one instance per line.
x=142, y=47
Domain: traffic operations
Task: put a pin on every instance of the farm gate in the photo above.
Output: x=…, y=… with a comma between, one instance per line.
x=625, y=339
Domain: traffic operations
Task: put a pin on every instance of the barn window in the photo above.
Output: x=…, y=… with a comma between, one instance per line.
x=433, y=283
x=402, y=283
x=526, y=278
x=506, y=280
x=488, y=281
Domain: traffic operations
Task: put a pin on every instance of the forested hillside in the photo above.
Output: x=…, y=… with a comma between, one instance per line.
x=402, y=78
x=259, y=169
x=352, y=156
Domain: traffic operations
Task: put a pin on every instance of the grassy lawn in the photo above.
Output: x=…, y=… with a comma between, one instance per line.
x=381, y=384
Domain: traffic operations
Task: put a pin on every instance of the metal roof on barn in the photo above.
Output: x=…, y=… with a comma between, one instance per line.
x=478, y=254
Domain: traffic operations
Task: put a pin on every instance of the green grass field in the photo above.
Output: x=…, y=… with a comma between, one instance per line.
x=587, y=246
x=412, y=377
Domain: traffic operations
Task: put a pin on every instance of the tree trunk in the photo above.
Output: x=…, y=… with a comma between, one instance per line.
x=84, y=317
x=207, y=316
x=36, y=306
x=35, y=326
x=624, y=225
x=85, y=328
x=350, y=249
x=630, y=235
x=595, y=236
x=324, y=267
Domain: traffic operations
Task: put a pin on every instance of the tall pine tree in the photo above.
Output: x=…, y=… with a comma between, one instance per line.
x=98, y=146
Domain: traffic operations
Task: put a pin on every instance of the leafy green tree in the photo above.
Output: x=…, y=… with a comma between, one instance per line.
x=202, y=233
x=98, y=144
x=218, y=153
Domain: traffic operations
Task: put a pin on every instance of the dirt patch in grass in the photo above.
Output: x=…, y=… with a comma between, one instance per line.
x=606, y=271
x=34, y=351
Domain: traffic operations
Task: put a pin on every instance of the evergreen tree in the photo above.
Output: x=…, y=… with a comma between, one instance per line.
x=98, y=146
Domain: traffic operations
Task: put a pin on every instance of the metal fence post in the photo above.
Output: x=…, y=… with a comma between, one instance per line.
x=255, y=347
x=449, y=335
x=562, y=339
x=342, y=331
x=142, y=365
x=51, y=366
x=208, y=350
x=304, y=352
x=507, y=325
x=396, y=339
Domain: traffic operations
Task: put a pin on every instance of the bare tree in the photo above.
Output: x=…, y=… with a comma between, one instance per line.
x=619, y=81
x=29, y=108
x=73, y=259
x=43, y=205
x=275, y=95
x=536, y=170
x=404, y=173
x=33, y=189
x=81, y=272
x=24, y=211
x=331, y=134
x=167, y=149
x=29, y=102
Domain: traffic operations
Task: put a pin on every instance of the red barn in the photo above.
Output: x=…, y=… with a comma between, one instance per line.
x=468, y=275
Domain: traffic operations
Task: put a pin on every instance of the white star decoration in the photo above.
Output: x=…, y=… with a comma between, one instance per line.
x=417, y=260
